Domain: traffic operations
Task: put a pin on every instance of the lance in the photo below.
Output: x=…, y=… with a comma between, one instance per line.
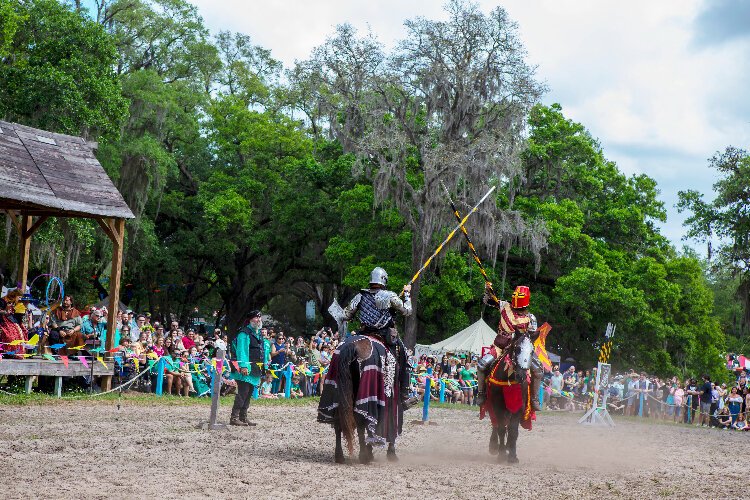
x=449, y=237
x=493, y=298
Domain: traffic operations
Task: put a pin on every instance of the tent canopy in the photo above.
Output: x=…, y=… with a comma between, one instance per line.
x=470, y=339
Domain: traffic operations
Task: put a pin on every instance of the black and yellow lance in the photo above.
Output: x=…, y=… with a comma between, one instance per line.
x=449, y=237
x=493, y=298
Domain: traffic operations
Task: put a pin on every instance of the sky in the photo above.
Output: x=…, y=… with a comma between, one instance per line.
x=662, y=85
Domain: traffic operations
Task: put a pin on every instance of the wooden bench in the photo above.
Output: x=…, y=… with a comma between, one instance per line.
x=31, y=368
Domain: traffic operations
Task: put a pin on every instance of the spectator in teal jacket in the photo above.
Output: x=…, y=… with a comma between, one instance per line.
x=250, y=352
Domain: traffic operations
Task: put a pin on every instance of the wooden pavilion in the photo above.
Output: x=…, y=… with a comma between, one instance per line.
x=42, y=175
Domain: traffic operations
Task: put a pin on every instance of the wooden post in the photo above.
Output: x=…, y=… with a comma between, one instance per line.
x=212, y=424
x=24, y=238
x=58, y=386
x=117, y=235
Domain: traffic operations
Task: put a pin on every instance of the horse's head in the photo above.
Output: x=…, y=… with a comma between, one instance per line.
x=523, y=349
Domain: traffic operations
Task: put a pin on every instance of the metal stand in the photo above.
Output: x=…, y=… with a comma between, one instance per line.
x=212, y=424
x=598, y=414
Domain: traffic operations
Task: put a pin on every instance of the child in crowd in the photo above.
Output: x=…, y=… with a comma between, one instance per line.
x=265, y=388
x=187, y=377
x=740, y=424
x=295, y=392
x=724, y=418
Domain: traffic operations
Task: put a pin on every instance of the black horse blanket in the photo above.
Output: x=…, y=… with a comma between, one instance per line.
x=378, y=384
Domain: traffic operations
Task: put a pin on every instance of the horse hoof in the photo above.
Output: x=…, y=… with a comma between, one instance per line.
x=391, y=456
x=494, y=448
x=365, y=458
x=339, y=459
x=512, y=459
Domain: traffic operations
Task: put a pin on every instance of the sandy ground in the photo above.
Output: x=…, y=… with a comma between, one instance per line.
x=95, y=450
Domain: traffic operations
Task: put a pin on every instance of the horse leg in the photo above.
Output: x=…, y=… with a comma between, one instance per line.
x=515, y=421
x=501, y=435
x=391, y=453
x=498, y=407
x=494, y=444
x=365, y=450
x=339, y=455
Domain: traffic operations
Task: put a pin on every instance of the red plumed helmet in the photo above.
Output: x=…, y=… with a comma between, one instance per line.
x=520, y=297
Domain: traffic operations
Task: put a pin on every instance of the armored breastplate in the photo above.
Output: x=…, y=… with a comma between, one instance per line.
x=374, y=309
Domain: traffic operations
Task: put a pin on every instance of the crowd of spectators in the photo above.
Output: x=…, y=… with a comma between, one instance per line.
x=693, y=401
x=458, y=372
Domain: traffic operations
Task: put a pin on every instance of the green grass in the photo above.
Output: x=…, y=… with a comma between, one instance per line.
x=135, y=398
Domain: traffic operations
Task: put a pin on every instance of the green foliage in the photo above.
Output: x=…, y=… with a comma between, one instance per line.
x=56, y=70
x=726, y=221
x=605, y=260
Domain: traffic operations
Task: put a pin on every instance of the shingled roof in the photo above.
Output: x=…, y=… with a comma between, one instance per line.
x=54, y=174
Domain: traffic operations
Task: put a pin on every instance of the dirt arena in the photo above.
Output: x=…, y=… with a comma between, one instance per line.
x=95, y=450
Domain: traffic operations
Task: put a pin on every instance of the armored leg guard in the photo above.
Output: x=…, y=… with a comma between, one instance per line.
x=482, y=366
x=481, y=393
x=536, y=382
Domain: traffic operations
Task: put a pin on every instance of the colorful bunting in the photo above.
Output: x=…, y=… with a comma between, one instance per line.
x=83, y=361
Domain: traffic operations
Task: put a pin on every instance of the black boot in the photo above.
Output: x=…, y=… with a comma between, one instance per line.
x=235, y=419
x=243, y=419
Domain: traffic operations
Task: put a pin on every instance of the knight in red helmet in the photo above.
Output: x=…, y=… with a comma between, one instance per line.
x=514, y=317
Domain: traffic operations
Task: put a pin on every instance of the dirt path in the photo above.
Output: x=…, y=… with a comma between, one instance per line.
x=94, y=450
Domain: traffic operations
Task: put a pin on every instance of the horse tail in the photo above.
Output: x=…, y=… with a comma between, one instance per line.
x=347, y=355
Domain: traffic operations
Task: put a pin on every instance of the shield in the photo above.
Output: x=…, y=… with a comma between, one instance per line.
x=337, y=312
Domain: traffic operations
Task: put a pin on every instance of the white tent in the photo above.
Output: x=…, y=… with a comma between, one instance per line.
x=470, y=339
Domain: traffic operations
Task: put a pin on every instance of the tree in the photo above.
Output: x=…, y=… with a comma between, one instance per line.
x=725, y=222
x=447, y=105
x=56, y=70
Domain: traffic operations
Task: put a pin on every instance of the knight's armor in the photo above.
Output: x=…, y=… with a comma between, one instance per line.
x=510, y=322
x=380, y=409
x=373, y=305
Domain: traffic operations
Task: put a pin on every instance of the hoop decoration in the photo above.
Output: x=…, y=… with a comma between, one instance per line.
x=61, y=292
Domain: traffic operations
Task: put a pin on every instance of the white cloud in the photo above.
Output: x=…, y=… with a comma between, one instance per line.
x=639, y=75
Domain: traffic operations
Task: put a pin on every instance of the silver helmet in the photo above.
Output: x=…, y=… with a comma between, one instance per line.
x=378, y=276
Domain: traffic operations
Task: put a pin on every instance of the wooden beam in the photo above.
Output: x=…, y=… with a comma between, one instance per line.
x=14, y=219
x=117, y=226
x=33, y=229
x=24, y=238
x=107, y=229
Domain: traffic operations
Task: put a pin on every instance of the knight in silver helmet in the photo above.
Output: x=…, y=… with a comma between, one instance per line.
x=374, y=306
x=383, y=392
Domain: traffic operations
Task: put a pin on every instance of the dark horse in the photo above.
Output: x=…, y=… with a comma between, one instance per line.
x=363, y=391
x=508, y=398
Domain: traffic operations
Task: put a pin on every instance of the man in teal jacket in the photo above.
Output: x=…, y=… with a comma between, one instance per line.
x=248, y=349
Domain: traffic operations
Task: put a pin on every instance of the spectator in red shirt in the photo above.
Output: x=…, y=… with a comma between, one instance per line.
x=188, y=341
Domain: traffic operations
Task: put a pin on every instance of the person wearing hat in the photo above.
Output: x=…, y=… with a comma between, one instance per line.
x=249, y=351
